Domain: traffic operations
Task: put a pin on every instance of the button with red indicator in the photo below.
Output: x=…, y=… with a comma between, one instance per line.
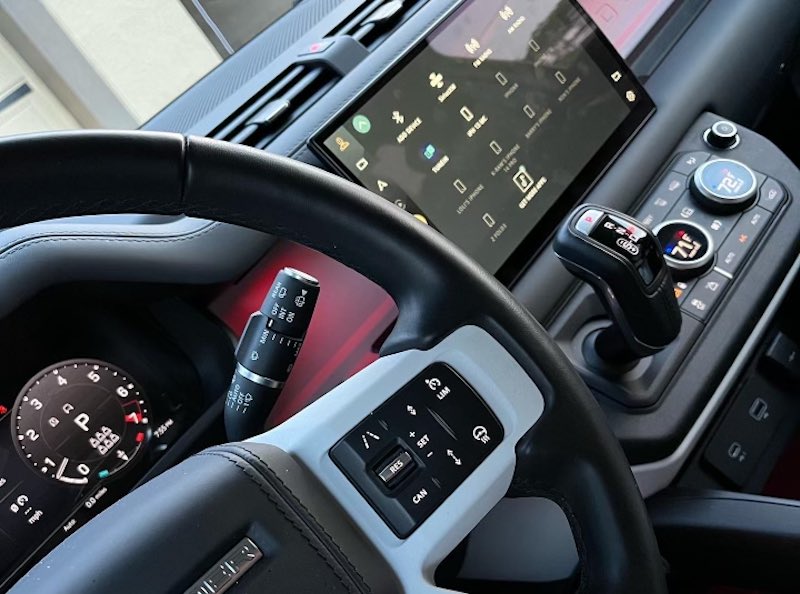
x=318, y=47
x=588, y=220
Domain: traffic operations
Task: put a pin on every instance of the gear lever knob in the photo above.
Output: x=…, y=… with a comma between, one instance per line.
x=624, y=263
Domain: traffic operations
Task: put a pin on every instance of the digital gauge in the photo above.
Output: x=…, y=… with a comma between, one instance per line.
x=80, y=422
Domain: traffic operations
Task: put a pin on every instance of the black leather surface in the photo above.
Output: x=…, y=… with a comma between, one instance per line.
x=570, y=455
x=730, y=538
x=176, y=527
x=122, y=248
x=80, y=173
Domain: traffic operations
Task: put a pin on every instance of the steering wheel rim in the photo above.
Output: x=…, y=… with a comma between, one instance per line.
x=568, y=454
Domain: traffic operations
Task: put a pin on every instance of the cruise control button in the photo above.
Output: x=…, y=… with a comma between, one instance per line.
x=398, y=465
x=705, y=295
x=688, y=162
x=741, y=240
x=662, y=199
x=772, y=195
x=421, y=498
x=420, y=445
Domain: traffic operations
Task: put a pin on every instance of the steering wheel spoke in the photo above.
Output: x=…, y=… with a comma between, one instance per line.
x=510, y=396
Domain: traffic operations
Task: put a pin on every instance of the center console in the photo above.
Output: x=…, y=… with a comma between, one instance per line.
x=498, y=120
x=709, y=212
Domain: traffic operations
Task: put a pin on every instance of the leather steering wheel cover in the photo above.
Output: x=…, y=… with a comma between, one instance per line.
x=570, y=456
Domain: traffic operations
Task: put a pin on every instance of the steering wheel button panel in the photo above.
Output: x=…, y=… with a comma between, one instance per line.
x=410, y=454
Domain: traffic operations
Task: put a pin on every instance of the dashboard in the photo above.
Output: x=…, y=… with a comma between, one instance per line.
x=487, y=121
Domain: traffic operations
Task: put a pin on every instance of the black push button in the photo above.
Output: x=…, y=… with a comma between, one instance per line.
x=722, y=136
x=398, y=465
x=686, y=163
x=705, y=295
x=742, y=239
x=662, y=199
x=784, y=354
x=772, y=195
x=683, y=288
x=718, y=226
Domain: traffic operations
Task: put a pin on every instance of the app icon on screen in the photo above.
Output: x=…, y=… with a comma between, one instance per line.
x=361, y=124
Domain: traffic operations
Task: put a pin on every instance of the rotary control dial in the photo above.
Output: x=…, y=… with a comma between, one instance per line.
x=79, y=422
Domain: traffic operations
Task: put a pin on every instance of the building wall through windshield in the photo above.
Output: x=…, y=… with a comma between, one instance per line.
x=113, y=63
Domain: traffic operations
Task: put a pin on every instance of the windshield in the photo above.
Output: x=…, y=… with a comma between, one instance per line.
x=113, y=63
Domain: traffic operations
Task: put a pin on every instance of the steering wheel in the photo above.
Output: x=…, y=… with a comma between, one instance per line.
x=312, y=528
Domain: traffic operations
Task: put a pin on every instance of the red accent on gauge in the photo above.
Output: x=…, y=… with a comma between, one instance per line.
x=3, y=410
x=139, y=437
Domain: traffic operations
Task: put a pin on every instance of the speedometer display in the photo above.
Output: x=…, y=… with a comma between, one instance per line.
x=85, y=416
x=79, y=422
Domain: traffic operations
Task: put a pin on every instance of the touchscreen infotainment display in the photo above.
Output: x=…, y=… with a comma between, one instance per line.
x=499, y=120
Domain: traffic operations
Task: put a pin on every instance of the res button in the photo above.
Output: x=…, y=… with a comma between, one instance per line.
x=394, y=468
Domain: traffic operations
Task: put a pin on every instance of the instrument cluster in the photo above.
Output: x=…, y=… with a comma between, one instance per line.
x=83, y=419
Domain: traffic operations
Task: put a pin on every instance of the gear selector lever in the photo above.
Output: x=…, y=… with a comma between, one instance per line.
x=624, y=263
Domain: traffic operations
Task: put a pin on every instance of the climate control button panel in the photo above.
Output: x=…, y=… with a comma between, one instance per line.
x=413, y=452
x=720, y=203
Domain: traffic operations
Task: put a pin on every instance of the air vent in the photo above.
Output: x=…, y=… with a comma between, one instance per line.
x=376, y=20
x=257, y=122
